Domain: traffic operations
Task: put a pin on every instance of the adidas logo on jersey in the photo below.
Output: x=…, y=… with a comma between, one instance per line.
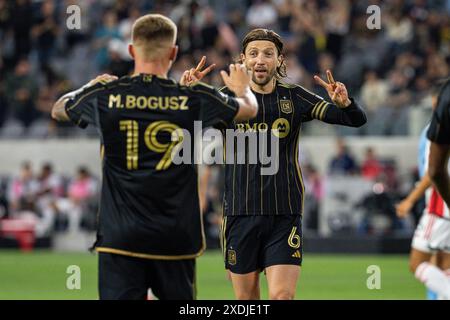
x=297, y=254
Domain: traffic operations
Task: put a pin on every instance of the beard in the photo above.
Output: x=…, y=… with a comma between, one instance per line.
x=263, y=80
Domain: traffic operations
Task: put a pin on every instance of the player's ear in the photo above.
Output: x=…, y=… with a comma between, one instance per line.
x=242, y=57
x=173, y=53
x=280, y=60
x=131, y=50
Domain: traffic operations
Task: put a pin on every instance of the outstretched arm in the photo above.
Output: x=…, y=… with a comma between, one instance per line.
x=405, y=206
x=345, y=110
x=59, y=111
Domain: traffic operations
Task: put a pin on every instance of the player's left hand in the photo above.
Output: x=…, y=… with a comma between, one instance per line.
x=104, y=78
x=192, y=75
x=336, y=90
x=403, y=208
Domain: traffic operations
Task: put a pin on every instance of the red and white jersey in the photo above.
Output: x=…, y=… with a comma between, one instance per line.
x=437, y=206
x=434, y=203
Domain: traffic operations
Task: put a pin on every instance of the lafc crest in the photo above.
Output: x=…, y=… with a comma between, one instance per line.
x=231, y=257
x=286, y=106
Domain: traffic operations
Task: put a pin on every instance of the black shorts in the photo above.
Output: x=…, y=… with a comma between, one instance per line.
x=252, y=243
x=128, y=278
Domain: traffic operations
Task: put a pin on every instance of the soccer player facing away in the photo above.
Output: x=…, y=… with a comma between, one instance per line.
x=150, y=228
x=428, y=245
x=436, y=230
x=262, y=224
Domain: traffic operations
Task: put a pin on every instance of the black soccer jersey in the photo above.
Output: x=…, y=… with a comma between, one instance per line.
x=247, y=191
x=439, y=130
x=149, y=205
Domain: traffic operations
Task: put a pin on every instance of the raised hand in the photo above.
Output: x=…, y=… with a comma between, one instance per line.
x=336, y=90
x=192, y=75
x=239, y=79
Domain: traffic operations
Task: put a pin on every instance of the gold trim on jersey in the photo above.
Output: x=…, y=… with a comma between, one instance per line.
x=247, y=160
x=161, y=257
x=84, y=96
x=102, y=151
x=287, y=85
x=151, y=256
x=262, y=152
x=319, y=109
x=280, y=120
x=287, y=158
x=223, y=239
x=299, y=170
x=234, y=170
x=295, y=155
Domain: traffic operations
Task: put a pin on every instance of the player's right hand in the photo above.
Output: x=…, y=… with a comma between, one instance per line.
x=238, y=80
x=403, y=208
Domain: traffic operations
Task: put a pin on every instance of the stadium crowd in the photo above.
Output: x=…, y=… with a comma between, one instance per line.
x=390, y=69
x=51, y=202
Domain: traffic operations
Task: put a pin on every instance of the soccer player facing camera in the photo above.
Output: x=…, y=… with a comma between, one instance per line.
x=150, y=228
x=262, y=223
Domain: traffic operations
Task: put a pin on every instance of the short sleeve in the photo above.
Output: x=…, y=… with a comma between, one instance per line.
x=81, y=109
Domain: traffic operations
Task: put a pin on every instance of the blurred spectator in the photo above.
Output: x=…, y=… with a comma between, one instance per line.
x=343, y=163
x=117, y=65
x=22, y=187
x=5, y=17
x=4, y=107
x=50, y=183
x=374, y=92
x=83, y=187
x=81, y=206
x=21, y=91
x=314, y=195
x=44, y=33
x=105, y=33
x=337, y=25
x=21, y=24
x=399, y=28
x=371, y=166
x=261, y=14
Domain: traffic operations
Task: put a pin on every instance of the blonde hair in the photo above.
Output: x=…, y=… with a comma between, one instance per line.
x=152, y=35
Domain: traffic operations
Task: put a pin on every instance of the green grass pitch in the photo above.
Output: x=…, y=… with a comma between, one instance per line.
x=42, y=275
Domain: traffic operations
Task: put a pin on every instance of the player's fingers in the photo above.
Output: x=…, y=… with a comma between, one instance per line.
x=111, y=78
x=320, y=82
x=201, y=64
x=335, y=94
x=232, y=68
x=225, y=77
x=185, y=77
x=342, y=87
x=208, y=70
x=330, y=77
